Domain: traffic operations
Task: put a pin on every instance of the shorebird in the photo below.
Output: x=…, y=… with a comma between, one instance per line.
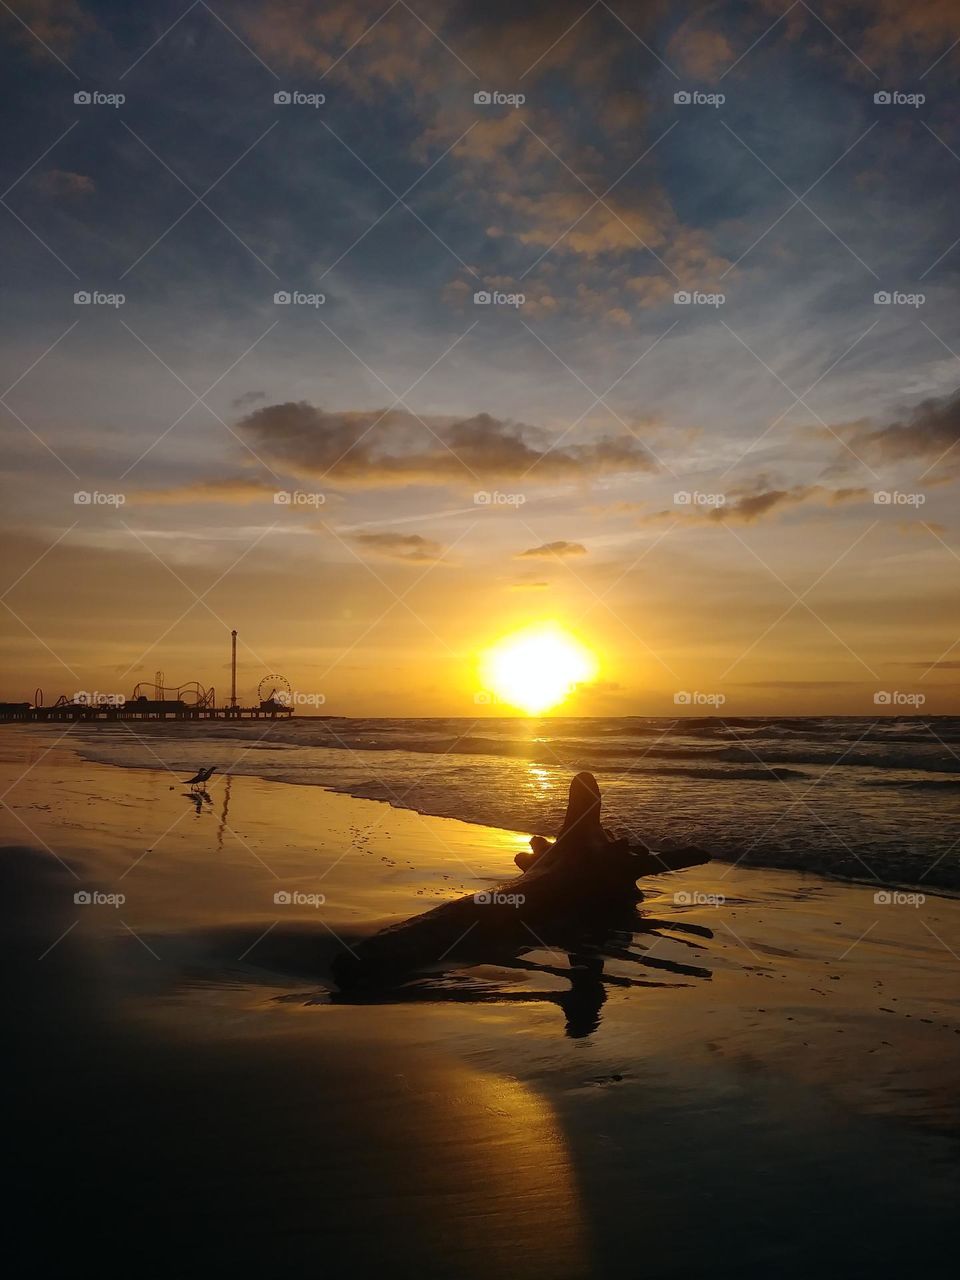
x=200, y=777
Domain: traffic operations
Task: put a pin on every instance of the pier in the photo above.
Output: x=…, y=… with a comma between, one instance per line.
x=157, y=701
x=137, y=709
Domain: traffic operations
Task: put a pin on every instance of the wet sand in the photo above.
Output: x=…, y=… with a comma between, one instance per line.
x=193, y=1094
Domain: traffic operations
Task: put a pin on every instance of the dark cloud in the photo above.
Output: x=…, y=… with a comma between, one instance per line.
x=751, y=505
x=888, y=31
x=501, y=41
x=700, y=51
x=54, y=23
x=63, y=182
x=248, y=399
x=754, y=506
x=930, y=431
x=400, y=546
x=558, y=549
x=521, y=194
x=379, y=448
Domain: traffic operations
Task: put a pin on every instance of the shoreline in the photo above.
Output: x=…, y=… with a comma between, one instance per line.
x=880, y=881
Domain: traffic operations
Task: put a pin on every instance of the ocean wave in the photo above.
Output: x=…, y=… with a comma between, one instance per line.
x=916, y=784
x=577, y=745
x=850, y=803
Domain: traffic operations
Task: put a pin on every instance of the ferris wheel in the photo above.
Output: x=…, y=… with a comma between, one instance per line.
x=275, y=688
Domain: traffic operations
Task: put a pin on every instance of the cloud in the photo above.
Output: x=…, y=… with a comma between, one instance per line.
x=249, y=398
x=390, y=447
x=929, y=431
x=527, y=179
x=801, y=684
x=700, y=52
x=63, y=182
x=752, y=505
x=55, y=23
x=889, y=30
x=234, y=490
x=921, y=528
x=558, y=549
x=501, y=41
x=410, y=547
x=571, y=222
x=391, y=48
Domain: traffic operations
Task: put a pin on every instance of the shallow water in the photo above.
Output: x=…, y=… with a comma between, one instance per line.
x=864, y=799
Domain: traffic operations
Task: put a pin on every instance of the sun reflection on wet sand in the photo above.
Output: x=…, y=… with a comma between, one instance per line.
x=500, y=1159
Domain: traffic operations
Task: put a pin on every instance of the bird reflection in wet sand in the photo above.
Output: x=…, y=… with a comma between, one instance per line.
x=198, y=798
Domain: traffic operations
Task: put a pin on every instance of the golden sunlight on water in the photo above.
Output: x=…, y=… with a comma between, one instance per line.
x=541, y=780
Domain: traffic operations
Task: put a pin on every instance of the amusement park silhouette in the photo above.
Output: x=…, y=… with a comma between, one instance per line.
x=157, y=700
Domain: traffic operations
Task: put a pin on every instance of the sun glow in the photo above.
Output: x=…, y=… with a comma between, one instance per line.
x=535, y=669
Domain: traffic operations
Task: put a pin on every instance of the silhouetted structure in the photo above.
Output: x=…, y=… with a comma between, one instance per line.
x=584, y=879
x=190, y=701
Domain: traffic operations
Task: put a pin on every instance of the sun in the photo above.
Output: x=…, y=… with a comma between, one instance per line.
x=536, y=668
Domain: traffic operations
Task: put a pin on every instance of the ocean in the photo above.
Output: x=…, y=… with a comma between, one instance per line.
x=875, y=800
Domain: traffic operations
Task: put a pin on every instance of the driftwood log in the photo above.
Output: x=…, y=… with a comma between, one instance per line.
x=583, y=874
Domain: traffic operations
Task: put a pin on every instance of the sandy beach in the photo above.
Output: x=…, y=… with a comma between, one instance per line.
x=771, y=1093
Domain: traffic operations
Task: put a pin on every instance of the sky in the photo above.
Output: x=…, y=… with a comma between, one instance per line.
x=414, y=325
